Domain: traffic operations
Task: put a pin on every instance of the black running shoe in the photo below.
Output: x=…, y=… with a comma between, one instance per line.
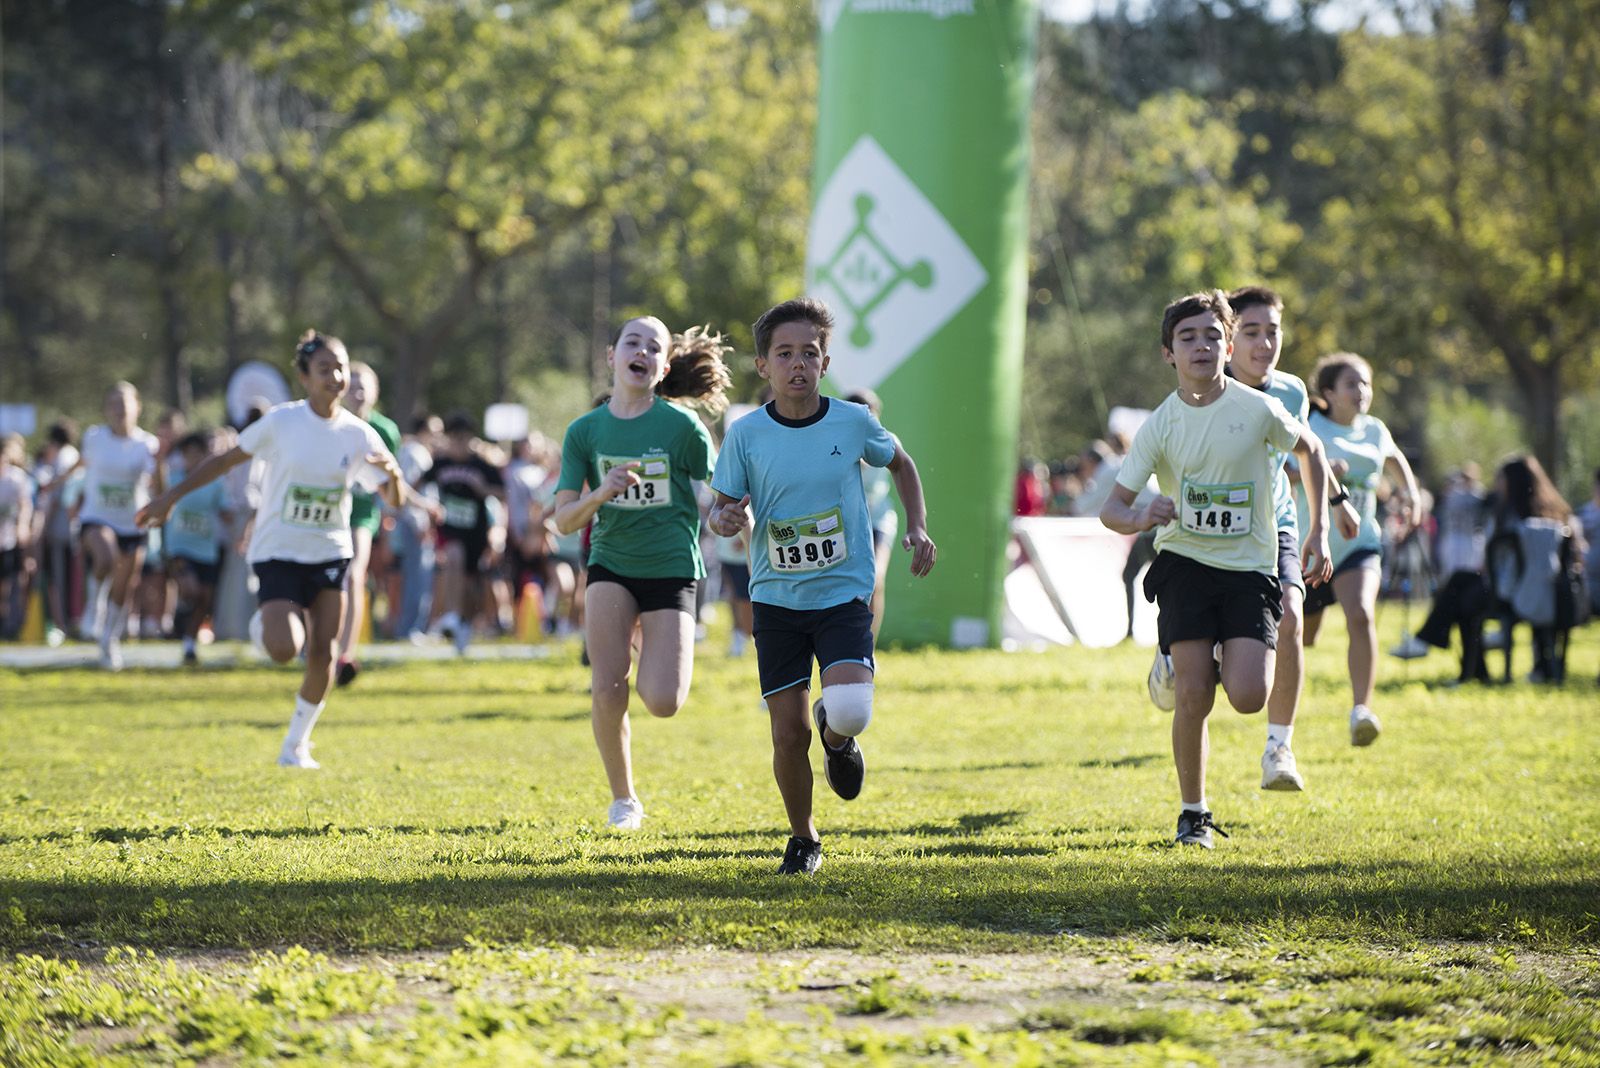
x=347, y=672
x=191, y=659
x=1194, y=829
x=845, y=767
x=802, y=856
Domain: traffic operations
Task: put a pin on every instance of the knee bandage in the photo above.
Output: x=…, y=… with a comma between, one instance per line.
x=849, y=707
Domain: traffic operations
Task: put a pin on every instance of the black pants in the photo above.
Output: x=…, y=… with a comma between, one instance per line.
x=1464, y=602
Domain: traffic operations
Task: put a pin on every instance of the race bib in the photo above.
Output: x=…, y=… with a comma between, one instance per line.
x=116, y=496
x=460, y=512
x=811, y=543
x=1217, y=511
x=196, y=524
x=654, y=488
x=314, y=507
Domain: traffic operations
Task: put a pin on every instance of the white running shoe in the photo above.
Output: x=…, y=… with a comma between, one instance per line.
x=1411, y=647
x=1364, y=726
x=625, y=814
x=1278, y=770
x=111, y=656
x=1161, y=683
x=297, y=757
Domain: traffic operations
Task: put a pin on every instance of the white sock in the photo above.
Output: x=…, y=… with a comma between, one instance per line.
x=300, y=724
x=98, y=593
x=116, y=622
x=737, y=648
x=1279, y=734
x=1195, y=806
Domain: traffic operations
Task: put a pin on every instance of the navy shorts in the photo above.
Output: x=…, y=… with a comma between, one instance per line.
x=736, y=582
x=1321, y=597
x=789, y=639
x=1202, y=603
x=651, y=594
x=287, y=580
x=203, y=572
x=1290, y=573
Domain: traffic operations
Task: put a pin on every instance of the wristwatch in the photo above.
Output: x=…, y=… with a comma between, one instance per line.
x=1339, y=498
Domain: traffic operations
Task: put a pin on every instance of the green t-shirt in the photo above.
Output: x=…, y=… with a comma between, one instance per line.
x=363, y=505
x=1217, y=466
x=651, y=531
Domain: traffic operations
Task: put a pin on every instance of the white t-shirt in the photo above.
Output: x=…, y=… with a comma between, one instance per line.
x=310, y=464
x=117, y=482
x=1215, y=465
x=15, y=488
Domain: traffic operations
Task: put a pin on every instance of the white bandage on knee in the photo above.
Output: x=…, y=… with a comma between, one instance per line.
x=849, y=707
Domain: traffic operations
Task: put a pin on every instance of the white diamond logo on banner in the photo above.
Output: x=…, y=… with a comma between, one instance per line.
x=891, y=267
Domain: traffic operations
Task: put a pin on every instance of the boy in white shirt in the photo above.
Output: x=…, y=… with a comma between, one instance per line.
x=1215, y=578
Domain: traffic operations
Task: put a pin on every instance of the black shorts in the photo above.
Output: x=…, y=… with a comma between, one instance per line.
x=286, y=580
x=126, y=543
x=203, y=572
x=1203, y=603
x=1321, y=597
x=736, y=582
x=474, y=543
x=10, y=563
x=651, y=594
x=1290, y=573
x=788, y=639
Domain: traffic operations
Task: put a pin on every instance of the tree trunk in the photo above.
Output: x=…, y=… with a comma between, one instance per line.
x=1540, y=386
x=232, y=343
x=169, y=251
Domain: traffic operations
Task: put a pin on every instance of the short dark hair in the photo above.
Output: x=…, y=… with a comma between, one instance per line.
x=1214, y=301
x=199, y=439
x=61, y=432
x=460, y=423
x=1250, y=296
x=800, y=310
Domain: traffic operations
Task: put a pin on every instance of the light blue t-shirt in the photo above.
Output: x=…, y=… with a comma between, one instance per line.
x=1291, y=393
x=1365, y=445
x=811, y=543
x=194, y=527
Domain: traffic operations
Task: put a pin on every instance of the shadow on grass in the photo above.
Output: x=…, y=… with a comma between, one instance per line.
x=938, y=894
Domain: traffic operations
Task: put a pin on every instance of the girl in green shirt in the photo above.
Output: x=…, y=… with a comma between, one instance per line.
x=626, y=467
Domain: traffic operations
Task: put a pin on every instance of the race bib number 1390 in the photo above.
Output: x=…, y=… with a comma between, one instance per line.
x=810, y=543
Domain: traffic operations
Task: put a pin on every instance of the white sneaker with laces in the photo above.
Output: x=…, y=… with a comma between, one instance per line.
x=1161, y=683
x=1278, y=770
x=111, y=656
x=298, y=756
x=1411, y=647
x=1364, y=726
x=625, y=814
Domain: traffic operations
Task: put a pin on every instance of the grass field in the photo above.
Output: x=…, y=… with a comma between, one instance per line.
x=444, y=889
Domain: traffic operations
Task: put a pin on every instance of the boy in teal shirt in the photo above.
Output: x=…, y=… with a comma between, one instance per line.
x=796, y=464
x=193, y=540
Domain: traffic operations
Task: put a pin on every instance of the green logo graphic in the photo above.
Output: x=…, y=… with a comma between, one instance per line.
x=865, y=273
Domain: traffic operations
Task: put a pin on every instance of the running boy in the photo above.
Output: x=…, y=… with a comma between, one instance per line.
x=1215, y=577
x=797, y=465
x=192, y=540
x=1258, y=345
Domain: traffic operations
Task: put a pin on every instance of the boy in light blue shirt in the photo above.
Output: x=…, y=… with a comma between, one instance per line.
x=192, y=542
x=796, y=464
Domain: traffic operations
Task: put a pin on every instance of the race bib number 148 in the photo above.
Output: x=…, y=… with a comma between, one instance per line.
x=1217, y=511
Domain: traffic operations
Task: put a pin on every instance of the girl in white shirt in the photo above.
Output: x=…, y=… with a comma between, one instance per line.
x=313, y=451
x=120, y=463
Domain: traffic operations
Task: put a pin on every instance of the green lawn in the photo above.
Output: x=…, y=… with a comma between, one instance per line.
x=1433, y=898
